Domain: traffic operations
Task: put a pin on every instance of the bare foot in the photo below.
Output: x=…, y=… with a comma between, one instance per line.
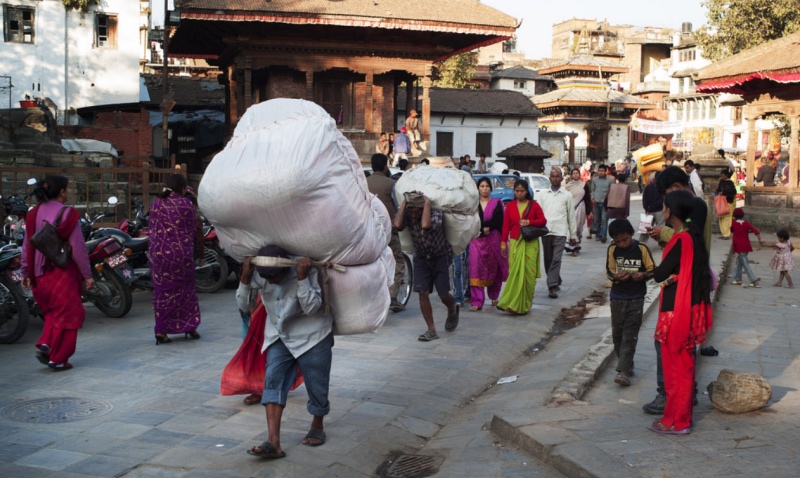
x=777, y=284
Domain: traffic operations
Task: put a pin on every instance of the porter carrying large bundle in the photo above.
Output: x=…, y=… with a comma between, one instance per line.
x=288, y=177
x=451, y=191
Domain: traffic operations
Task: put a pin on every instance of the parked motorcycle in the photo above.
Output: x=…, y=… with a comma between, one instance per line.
x=218, y=265
x=14, y=310
x=111, y=294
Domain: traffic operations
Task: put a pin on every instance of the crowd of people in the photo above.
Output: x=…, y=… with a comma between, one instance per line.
x=518, y=244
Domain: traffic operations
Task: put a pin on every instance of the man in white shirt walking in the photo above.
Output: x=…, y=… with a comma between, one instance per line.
x=694, y=177
x=558, y=209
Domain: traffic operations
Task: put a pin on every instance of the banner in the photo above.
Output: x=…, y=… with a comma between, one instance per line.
x=656, y=127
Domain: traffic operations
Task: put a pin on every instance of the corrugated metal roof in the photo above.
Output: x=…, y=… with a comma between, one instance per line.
x=584, y=61
x=468, y=12
x=521, y=73
x=524, y=150
x=476, y=102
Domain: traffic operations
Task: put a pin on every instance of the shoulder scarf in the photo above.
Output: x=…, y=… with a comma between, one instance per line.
x=686, y=325
x=68, y=222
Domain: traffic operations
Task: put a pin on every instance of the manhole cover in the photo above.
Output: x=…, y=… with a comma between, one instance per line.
x=413, y=466
x=56, y=410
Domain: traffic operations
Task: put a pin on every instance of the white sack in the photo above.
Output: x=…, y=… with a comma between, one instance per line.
x=288, y=177
x=498, y=167
x=450, y=190
x=359, y=297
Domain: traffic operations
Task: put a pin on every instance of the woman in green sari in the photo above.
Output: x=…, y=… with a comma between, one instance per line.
x=523, y=264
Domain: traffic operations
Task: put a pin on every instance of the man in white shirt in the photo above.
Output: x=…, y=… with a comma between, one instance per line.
x=558, y=209
x=694, y=177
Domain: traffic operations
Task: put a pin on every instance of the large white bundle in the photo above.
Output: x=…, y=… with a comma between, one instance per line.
x=451, y=191
x=359, y=297
x=288, y=177
x=498, y=167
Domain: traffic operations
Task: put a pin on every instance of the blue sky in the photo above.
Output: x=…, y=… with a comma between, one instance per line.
x=534, y=36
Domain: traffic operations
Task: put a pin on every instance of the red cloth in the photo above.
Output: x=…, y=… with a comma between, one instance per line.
x=511, y=219
x=245, y=373
x=686, y=325
x=69, y=220
x=741, y=236
x=62, y=342
x=678, y=367
x=58, y=293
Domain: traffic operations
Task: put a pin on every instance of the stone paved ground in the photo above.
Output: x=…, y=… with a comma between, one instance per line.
x=754, y=331
x=390, y=394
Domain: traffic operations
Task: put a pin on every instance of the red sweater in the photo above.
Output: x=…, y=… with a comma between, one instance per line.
x=511, y=219
x=741, y=236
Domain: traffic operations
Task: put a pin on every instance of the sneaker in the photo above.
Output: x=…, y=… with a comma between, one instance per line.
x=656, y=407
x=396, y=306
x=427, y=336
x=603, y=239
x=623, y=379
x=552, y=294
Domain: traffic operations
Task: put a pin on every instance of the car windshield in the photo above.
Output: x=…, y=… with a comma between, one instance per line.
x=509, y=182
x=539, y=182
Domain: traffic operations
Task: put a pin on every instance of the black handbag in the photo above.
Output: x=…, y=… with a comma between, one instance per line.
x=529, y=232
x=47, y=241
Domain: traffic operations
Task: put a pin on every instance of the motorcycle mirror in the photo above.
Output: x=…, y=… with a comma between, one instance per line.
x=32, y=181
x=113, y=200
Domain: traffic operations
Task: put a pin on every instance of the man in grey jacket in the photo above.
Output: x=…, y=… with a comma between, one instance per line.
x=600, y=186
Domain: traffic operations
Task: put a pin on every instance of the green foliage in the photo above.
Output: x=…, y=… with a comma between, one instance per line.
x=736, y=25
x=82, y=5
x=456, y=71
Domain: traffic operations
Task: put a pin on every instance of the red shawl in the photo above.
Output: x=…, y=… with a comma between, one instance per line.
x=686, y=325
x=68, y=222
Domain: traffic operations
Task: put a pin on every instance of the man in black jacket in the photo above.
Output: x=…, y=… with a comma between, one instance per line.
x=653, y=204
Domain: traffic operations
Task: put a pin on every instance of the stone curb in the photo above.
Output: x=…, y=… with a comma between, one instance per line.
x=556, y=446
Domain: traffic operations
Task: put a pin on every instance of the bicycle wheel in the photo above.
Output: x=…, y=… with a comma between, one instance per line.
x=407, y=285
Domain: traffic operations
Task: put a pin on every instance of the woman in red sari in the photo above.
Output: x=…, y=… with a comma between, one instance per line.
x=171, y=250
x=684, y=315
x=56, y=290
x=487, y=266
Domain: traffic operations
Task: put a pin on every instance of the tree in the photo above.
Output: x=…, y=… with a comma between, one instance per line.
x=736, y=25
x=82, y=5
x=456, y=71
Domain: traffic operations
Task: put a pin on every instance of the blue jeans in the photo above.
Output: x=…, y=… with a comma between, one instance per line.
x=458, y=276
x=316, y=366
x=600, y=221
x=743, y=263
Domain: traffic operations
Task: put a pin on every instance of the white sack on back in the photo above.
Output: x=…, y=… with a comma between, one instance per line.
x=288, y=177
x=451, y=191
x=359, y=297
x=498, y=167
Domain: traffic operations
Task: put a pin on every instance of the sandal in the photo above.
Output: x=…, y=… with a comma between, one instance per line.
x=266, y=450
x=658, y=427
x=252, y=399
x=452, y=322
x=60, y=367
x=314, y=434
x=427, y=336
x=192, y=334
x=736, y=282
x=474, y=309
x=494, y=303
x=755, y=284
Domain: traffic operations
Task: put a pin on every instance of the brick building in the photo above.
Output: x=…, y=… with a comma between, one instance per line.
x=349, y=57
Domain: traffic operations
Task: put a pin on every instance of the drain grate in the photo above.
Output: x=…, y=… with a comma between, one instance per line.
x=56, y=410
x=414, y=466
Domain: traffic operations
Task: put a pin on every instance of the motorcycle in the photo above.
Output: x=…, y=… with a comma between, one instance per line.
x=110, y=294
x=217, y=264
x=14, y=309
x=16, y=209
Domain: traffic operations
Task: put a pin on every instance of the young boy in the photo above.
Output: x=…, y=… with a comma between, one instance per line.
x=628, y=265
x=740, y=229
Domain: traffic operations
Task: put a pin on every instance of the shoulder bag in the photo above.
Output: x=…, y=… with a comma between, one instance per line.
x=47, y=241
x=529, y=233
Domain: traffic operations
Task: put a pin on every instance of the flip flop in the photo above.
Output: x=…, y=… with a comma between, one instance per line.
x=658, y=427
x=315, y=434
x=267, y=450
x=452, y=322
x=60, y=367
x=252, y=399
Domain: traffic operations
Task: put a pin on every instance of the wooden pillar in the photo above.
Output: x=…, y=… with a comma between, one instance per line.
x=233, y=111
x=794, y=152
x=248, y=83
x=369, y=127
x=752, y=140
x=409, y=96
x=310, y=85
x=425, y=128
x=572, y=137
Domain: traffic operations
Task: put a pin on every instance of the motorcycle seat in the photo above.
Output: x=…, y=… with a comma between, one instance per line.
x=91, y=244
x=137, y=244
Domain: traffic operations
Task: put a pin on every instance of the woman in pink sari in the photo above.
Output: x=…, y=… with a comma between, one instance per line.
x=487, y=267
x=171, y=250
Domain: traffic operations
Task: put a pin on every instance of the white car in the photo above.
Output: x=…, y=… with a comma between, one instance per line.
x=538, y=182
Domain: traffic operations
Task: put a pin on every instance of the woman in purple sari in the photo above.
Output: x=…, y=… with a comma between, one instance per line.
x=171, y=250
x=487, y=267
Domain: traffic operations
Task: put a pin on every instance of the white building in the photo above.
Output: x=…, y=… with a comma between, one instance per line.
x=477, y=121
x=524, y=80
x=73, y=58
x=708, y=118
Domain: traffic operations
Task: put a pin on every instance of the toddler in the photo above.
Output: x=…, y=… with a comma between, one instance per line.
x=782, y=260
